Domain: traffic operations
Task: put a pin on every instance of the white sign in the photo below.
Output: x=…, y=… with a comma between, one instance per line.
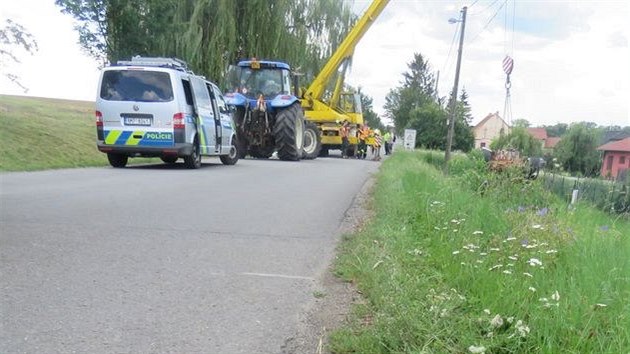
x=410, y=139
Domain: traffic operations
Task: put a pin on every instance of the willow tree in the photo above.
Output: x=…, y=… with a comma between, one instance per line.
x=210, y=34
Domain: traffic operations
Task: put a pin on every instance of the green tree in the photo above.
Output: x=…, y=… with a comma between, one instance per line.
x=521, y=123
x=520, y=140
x=369, y=116
x=577, y=151
x=210, y=34
x=14, y=38
x=417, y=89
x=557, y=130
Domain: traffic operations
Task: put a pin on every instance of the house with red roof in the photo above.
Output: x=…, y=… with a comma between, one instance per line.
x=490, y=128
x=616, y=158
x=546, y=142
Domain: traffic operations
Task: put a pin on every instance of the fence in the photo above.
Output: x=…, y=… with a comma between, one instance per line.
x=606, y=195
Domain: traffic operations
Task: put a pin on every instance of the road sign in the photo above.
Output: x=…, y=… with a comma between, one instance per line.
x=410, y=139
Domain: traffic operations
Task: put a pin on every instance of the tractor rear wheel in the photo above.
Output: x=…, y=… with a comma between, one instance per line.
x=288, y=132
x=312, y=141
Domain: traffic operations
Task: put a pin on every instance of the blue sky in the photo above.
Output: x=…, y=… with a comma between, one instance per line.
x=571, y=57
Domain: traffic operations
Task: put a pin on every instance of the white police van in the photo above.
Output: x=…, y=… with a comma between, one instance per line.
x=156, y=107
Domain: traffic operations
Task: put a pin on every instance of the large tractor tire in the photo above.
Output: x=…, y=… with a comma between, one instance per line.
x=288, y=132
x=232, y=157
x=260, y=152
x=312, y=141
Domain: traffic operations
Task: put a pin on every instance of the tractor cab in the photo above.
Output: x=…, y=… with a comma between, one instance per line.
x=251, y=81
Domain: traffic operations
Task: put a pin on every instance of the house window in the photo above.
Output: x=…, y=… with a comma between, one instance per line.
x=622, y=160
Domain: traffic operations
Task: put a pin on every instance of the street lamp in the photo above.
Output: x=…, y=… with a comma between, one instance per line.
x=451, y=126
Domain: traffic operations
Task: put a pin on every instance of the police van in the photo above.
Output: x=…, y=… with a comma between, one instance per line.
x=157, y=107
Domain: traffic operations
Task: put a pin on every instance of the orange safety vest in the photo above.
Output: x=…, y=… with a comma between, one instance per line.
x=344, y=131
x=364, y=133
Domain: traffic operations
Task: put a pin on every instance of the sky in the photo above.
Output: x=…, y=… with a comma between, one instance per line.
x=571, y=58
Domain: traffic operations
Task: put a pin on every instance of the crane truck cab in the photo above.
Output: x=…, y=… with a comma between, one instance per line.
x=157, y=107
x=268, y=116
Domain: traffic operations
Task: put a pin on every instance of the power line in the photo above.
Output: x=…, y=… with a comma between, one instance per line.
x=489, y=21
x=448, y=57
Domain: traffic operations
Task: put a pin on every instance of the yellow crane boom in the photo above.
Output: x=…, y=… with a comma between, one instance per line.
x=329, y=115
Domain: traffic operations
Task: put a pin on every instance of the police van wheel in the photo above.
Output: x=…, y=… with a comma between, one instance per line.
x=169, y=159
x=193, y=160
x=117, y=160
x=232, y=157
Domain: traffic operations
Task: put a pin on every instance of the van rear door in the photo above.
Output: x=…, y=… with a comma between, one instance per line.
x=205, y=115
x=137, y=107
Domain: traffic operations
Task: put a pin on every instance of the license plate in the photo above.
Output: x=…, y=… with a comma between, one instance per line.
x=137, y=121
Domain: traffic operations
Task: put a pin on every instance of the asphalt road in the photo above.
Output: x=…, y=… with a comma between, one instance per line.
x=160, y=259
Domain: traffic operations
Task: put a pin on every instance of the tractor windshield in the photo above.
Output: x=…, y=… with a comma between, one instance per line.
x=252, y=83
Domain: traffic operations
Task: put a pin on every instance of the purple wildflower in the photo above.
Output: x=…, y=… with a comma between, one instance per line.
x=521, y=209
x=542, y=212
x=604, y=228
x=525, y=242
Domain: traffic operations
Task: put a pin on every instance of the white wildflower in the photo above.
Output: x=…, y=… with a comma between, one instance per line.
x=479, y=261
x=537, y=226
x=483, y=254
x=477, y=232
x=528, y=275
x=486, y=311
x=601, y=305
x=522, y=329
x=514, y=258
x=455, y=221
x=532, y=289
x=436, y=228
x=455, y=230
x=496, y=267
x=510, y=264
x=455, y=252
x=543, y=299
x=534, y=262
x=444, y=313
x=497, y=321
x=478, y=350
x=510, y=239
x=507, y=271
x=462, y=263
x=555, y=296
x=510, y=319
x=495, y=249
x=551, y=251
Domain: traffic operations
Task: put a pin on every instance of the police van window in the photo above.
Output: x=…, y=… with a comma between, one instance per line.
x=223, y=108
x=187, y=92
x=202, y=95
x=136, y=85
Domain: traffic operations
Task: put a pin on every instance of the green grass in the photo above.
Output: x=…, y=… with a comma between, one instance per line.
x=443, y=257
x=42, y=133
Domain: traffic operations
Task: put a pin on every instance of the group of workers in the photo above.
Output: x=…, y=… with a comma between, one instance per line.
x=364, y=134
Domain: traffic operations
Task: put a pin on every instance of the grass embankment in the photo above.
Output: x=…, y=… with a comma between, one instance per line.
x=45, y=133
x=455, y=265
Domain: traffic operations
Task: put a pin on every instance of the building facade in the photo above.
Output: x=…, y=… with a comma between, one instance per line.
x=490, y=128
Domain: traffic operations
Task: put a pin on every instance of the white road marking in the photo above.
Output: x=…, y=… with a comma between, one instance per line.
x=278, y=276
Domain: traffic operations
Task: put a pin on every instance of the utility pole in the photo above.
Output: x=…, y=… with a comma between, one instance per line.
x=451, y=126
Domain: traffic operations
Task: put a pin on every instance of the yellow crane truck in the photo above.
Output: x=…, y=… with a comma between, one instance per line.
x=328, y=115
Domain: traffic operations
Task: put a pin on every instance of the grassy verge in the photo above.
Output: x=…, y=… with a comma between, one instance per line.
x=43, y=133
x=483, y=263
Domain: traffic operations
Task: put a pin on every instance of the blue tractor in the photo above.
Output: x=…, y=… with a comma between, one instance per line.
x=267, y=115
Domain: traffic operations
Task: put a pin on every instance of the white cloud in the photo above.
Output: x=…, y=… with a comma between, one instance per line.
x=571, y=57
